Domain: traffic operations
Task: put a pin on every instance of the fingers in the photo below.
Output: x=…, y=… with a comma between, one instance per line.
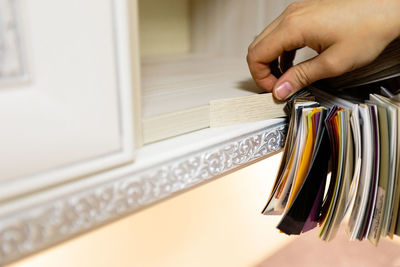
x=275, y=23
x=286, y=60
x=282, y=38
x=322, y=26
x=266, y=31
x=334, y=61
x=281, y=35
x=267, y=74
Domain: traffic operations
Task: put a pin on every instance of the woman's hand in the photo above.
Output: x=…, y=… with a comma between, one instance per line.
x=347, y=34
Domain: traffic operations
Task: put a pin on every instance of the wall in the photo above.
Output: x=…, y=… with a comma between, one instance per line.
x=164, y=27
x=223, y=27
x=217, y=224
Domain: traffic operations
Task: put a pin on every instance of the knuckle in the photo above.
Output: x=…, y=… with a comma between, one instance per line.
x=302, y=76
x=251, y=47
x=334, y=66
x=290, y=21
x=293, y=6
x=293, y=16
x=251, y=55
x=248, y=60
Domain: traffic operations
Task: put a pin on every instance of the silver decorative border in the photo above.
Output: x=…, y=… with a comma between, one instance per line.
x=39, y=227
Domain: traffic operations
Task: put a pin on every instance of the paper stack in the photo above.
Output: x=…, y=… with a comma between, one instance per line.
x=341, y=164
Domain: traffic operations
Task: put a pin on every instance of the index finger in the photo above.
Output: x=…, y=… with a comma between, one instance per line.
x=259, y=58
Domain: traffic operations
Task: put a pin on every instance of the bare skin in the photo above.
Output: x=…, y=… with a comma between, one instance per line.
x=347, y=34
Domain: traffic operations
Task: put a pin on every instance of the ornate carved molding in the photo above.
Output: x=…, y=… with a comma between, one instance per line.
x=39, y=227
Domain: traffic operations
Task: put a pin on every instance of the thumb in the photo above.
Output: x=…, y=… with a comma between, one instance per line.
x=332, y=62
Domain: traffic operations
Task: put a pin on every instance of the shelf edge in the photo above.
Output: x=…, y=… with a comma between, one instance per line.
x=35, y=228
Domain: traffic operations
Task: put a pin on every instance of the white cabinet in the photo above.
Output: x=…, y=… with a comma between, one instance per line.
x=67, y=115
x=73, y=104
x=193, y=54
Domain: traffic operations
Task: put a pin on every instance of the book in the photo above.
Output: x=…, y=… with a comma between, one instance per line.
x=341, y=159
x=384, y=67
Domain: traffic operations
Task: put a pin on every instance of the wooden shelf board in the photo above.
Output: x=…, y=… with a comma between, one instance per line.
x=176, y=83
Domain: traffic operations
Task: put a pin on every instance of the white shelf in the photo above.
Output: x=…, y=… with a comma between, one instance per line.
x=177, y=91
x=161, y=170
x=176, y=83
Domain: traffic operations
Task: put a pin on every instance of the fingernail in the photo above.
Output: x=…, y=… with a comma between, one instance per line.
x=283, y=90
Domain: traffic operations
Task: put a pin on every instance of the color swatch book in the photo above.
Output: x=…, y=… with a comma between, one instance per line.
x=341, y=163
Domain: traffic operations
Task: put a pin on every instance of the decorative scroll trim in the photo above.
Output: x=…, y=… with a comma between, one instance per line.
x=42, y=226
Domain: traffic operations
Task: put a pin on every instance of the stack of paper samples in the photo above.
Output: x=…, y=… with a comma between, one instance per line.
x=341, y=164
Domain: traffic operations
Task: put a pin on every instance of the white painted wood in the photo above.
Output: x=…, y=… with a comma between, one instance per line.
x=67, y=135
x=177, y=90
x=227, y=27
x=164, y=27
x=74, y=117
x=224, y=27
x=175, y=83
x=135, y=71
x=245, y=109
x=175, y=123
x=151, y=157
x=13, y=65
x=161, y=170
x=217, y=113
